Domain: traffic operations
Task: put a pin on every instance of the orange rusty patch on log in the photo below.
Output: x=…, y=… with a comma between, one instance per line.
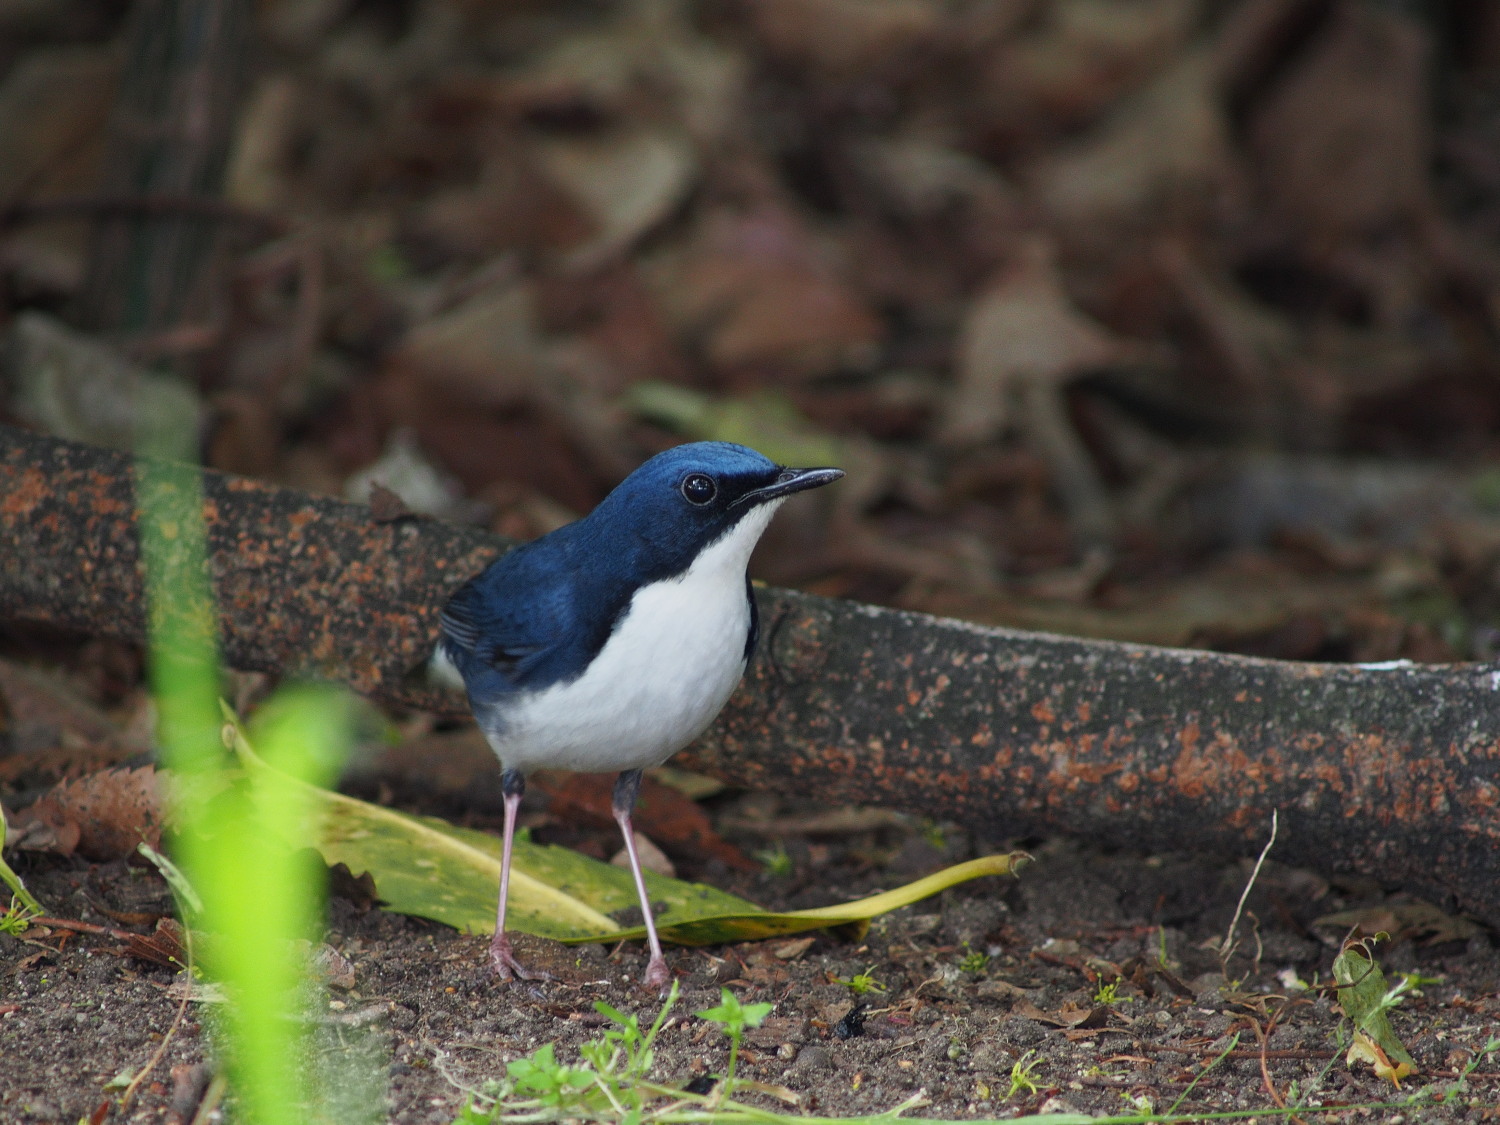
x=1091, y=773
x=1085, y=712
x=1193, y=773
x=1128, y=782
x=1042, y=712
x=1242, y=817
x=30, y=491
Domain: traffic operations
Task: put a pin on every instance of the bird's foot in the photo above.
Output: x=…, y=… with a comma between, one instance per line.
x=658, y=976
x=506, y=967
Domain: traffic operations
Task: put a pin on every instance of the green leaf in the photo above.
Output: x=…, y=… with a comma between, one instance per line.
x=733, y=1015
x=1364, y=996
x=546, y=1078
x=432, y=869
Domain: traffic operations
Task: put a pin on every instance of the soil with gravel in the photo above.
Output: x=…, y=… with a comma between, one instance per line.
x=969, y=983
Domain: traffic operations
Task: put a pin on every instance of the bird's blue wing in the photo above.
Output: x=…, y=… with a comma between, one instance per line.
x=528, y=621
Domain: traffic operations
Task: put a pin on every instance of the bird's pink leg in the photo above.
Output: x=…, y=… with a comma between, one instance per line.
x=502, y=960
x=658, y=976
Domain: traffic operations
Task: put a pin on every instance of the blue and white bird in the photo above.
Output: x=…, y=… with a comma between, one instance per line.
x=612, y=643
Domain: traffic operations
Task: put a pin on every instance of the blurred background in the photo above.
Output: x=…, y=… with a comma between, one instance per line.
x=1166, y=320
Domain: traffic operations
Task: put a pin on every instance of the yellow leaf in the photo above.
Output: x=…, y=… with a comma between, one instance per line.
x=429, y=868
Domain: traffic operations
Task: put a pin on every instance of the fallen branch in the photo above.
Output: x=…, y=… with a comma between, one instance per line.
x=1393, y=771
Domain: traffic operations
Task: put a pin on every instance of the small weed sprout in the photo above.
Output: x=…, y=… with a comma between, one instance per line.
x=776, y=860
x=612, y=1084
x=1108, y=994
x=546, y=1080
x=1460, y=1084
x=17, y=918
x=861, y=983
x=1141, y=1103
x=23, y=906
x=1023, y=1075
x=733, y=1017
x=974, y=961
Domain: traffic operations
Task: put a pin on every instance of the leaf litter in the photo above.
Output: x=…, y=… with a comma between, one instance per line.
x=805, y=219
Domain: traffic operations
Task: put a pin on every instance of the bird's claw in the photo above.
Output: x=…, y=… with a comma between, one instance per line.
x=507, y=968
x=658, y=976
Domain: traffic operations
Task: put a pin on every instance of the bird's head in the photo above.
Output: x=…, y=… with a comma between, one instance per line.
x=694, y=496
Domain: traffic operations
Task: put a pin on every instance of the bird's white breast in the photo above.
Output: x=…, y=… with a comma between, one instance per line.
x=670, y=665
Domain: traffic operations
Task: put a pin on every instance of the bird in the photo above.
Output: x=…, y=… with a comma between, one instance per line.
x=612, y=642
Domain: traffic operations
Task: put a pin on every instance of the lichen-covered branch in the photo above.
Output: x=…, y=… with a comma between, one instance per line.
x=1390, y=771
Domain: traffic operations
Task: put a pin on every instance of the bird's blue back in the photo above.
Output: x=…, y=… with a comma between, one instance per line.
x=538, y=615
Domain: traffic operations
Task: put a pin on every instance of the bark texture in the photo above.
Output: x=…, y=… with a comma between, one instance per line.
x=1391, y=771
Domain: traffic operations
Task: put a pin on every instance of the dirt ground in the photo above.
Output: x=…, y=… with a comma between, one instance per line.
x=424, y=1022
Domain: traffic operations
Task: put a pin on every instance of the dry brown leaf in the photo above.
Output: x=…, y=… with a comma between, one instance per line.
x=845, y=38
x=486, y=350
x=257, y=172
x=1342, y=140
x=662, y=812
x=652, y=54
x=114, y=810
x=1022, y=328
x=1404, y=920
x=760, y=298
x=1075, y=59
x=53, y=107
x=626, y=182
x=163, y=946
x=515, y=206
x=54, y=730
x=1162, y=152
x=920, y=177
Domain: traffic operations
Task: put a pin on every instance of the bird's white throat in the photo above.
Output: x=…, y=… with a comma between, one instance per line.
x=668, y=668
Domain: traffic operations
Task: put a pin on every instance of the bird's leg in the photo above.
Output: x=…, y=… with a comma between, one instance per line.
x=513, y=786
x=627, y=788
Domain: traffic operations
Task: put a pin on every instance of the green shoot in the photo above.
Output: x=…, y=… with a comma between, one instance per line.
x=1108, y=994
x=22, y=905
x=1141, y=1103
x=614, y=1082
x=258, y=896
x=733, y=1017
x=628, y=1042
x=17, y=917
x=1162, y=960
x=546, y=1080
x=974, y=961
x=861, y=983
x=776, y=860
x=1023, y=1075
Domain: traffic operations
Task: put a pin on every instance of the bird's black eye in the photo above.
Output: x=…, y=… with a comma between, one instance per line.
x=699, y=488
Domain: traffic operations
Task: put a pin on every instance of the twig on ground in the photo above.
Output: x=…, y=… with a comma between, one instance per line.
x=1226, y=947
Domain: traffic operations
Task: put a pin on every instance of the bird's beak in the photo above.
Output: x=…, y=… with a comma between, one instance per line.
x=790, y=481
